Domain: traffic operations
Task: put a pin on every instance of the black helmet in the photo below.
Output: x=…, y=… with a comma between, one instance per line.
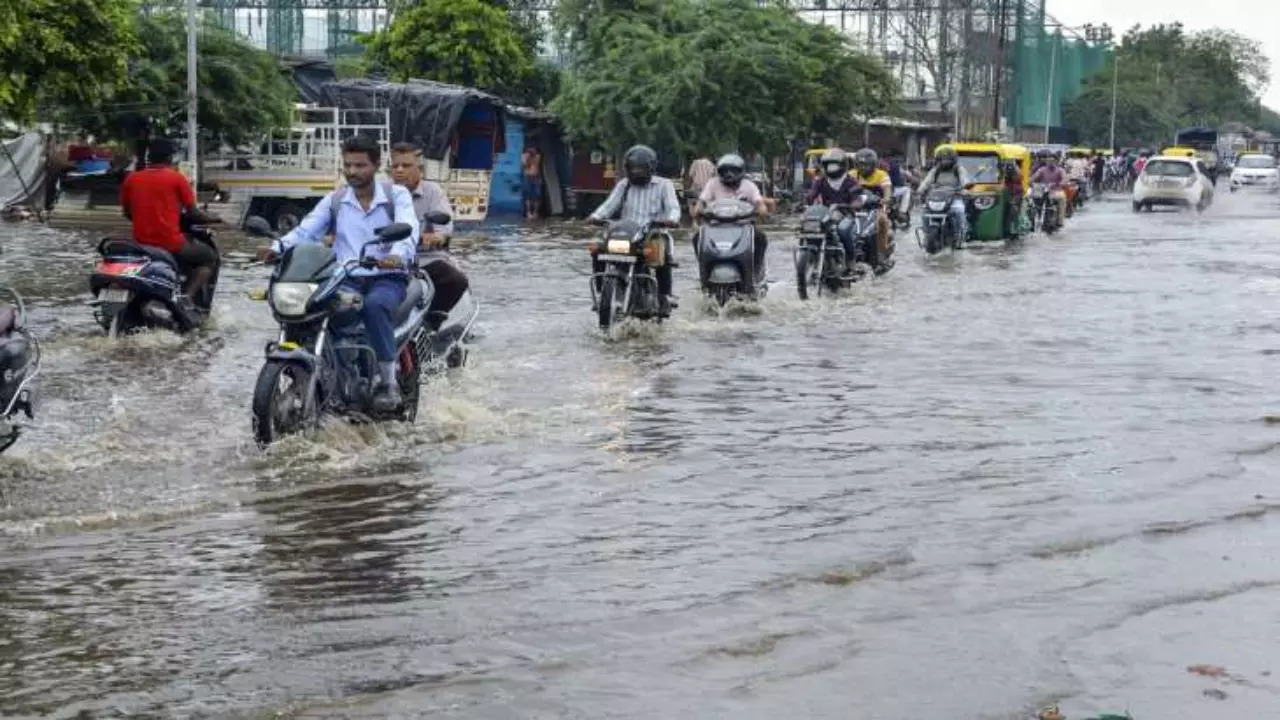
x=835, y=164
x=161, y=150
x=946, y=155
x=731, y=168
x=866, y=160
x=640, y=163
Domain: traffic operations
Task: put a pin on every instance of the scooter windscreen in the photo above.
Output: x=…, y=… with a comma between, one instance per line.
x=306, y=264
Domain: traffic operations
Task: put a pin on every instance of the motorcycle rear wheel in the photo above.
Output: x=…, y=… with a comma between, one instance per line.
x=410, y=384
x=276, y=414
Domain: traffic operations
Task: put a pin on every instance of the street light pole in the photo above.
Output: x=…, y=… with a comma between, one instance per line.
x=1053, y=68
x=192, y=125
x=1115, y=86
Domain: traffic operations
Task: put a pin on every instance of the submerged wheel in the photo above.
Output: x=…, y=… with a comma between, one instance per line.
x=608, y=289
x=279, y=401
x=933, y=240
x=410, y=382
x=802, y=274
x=722, y=294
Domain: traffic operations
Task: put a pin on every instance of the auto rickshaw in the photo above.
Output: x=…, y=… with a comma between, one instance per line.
x=1176, y=151
x=988, y=203
x=812, y=162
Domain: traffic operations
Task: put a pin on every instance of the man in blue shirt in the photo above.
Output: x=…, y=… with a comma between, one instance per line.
x=364, y=207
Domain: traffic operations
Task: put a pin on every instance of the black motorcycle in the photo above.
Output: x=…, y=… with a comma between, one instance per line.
x=820, y=258
x=322, y=364
x=137, y=286
x=938, y=229
x=626, y=285
x=863, y=215
x=726, y=248
x=19, y=368
x=1044, y=212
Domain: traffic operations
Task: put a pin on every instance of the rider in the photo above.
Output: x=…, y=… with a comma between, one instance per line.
x=730, y=184
x=364, y=207
x=1011, y=176
x=869, y=175
x=1052, y=175
x=836, y=187
x=947, y=172
x=155, y=200
x=642, y=197
x=428, y=197
x=901, y=187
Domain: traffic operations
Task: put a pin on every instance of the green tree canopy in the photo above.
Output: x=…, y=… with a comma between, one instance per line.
x=73, y=50
x=464, y=42
x=1167, y=79
x=242, y=90
x=699, y=76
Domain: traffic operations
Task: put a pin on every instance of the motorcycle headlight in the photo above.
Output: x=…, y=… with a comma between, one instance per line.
x=984, y=202
x=620, y=247
x=937, y=205
x=290, y=299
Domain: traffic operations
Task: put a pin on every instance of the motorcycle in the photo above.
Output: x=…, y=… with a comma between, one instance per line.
x=938, y=230
x=627, y=286
x=726, y=249
x=820, y=257
x=1077, y=193
x=865, y=211
x=137, y=286
x=19, y=368
x=321, y=363
x=1044, y=213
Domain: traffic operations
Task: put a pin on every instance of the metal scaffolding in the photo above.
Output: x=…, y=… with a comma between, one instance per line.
x=296, y=27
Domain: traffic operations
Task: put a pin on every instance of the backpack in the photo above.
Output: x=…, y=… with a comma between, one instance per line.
x=335, y=200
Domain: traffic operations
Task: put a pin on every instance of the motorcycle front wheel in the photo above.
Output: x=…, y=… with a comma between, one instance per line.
x=605, y=309
x=279, y=401
x=802, y=274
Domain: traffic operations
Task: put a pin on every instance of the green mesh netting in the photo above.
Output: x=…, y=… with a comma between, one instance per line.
x=1044, y=59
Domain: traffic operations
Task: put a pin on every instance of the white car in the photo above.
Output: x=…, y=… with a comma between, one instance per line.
x=1174, y=181
x=1255, y=170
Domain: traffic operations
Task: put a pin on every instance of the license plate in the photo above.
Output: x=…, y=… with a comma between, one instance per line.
x=115, y=296
x=616, y=259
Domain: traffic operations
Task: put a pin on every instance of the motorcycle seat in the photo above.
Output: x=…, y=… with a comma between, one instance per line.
x=122, y=246
x=413, y=295
x=8, y=320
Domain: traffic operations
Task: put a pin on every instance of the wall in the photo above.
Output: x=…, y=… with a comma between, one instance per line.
x=505, y=187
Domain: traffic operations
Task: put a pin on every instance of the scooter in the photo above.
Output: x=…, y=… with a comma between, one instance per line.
x=19, y=368
x=137, y=286
x=726, y=249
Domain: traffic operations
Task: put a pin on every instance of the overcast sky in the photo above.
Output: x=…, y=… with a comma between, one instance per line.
x=1259, y=19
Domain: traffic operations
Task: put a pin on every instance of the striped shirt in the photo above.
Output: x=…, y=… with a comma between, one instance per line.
x=643, y=203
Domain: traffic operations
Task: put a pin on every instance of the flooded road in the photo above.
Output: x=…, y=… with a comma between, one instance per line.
x=976, y=486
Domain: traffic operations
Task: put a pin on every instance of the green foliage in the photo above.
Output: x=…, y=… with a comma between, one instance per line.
x=74, y=50
x=1169, y=79
x=242, y=90
x=703, y=76
x=464, y=42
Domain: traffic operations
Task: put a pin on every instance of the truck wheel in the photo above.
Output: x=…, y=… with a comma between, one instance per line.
x=286, y=217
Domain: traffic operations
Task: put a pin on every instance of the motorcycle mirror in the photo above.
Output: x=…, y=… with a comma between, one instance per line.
x=394, y=232
x=438, y=218
x=257, y=226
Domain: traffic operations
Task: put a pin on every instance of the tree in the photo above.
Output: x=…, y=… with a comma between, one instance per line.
x=464, y=42
x=242, y=90
x=696, y=76
x=1169, y=79
x=73, y=50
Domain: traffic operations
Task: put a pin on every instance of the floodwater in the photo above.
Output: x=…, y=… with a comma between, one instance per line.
x=973, y=487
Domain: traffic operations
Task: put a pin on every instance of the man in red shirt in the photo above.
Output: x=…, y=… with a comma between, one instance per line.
x=155, y=199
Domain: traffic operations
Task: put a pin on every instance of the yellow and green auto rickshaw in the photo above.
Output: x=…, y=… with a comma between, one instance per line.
x=1079, y=152
x=989, y=203
x=1177, y=151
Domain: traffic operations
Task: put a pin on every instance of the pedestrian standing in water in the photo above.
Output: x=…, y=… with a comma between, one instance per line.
x=531, y=162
